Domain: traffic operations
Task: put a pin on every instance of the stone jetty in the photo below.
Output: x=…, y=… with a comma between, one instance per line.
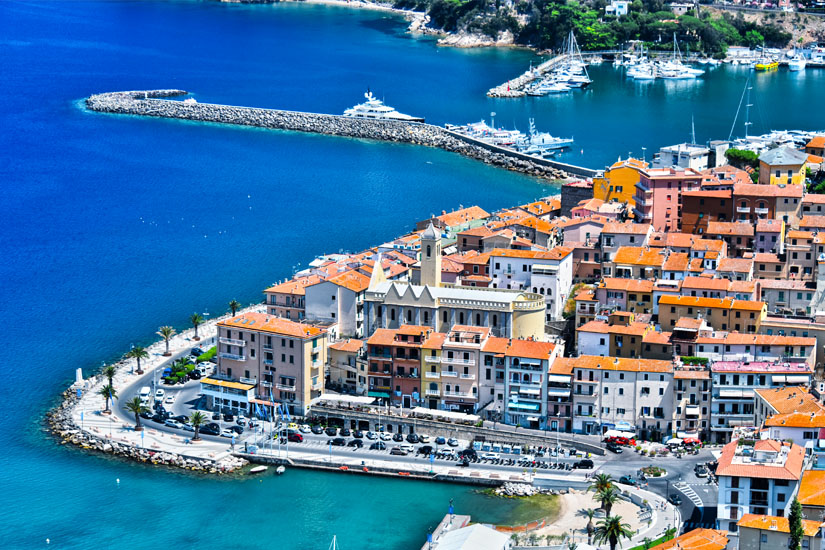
x=158, y=103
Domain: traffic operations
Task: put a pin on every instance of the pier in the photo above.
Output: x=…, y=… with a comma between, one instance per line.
x=159, y=103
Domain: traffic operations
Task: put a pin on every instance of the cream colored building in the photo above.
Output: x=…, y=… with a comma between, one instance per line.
x=758, y=532
x=348, y=366
x=282, y=360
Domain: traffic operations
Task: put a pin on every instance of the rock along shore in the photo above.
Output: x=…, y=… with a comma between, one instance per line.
x=155, y=103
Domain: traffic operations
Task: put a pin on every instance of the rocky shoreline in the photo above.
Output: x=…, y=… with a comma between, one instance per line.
x=154, y=103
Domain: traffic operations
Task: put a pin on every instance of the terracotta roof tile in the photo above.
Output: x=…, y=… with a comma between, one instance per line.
x=776, y=523
x=812, y=488
x=618, y=364
x=262, y=322
x=639, y=255
x=791, y=469
x=697, y=539
x=350, y=345
x=730, y=228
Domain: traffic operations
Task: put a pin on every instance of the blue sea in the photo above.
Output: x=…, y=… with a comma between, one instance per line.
x=112, y=226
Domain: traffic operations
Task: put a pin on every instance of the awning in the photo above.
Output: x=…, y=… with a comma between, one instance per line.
x=437, y=413
x=341, y=398
x=625, y=426
x=692, y=411
x=674, y=441
x=378, y=394
x=533, y=419
x=790, y=379
x=778, y=379
x=531, y=391
x=559, y=378
x=558, y=392
x=524, y=406
x=728, y=394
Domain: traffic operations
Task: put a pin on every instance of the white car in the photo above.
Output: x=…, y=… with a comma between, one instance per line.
x=424, y=438
x=226, y=432
x=170, y=399
x=371, y=435
x=173, y=423
x=489, y=456
x=305, y=429
x=385, y=436
x=407, y=447
x=159, y=394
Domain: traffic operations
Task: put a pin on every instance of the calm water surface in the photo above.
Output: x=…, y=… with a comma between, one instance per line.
x=111, y=226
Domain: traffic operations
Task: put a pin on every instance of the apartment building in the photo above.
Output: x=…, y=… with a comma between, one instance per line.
x=526, y=384
x=394, y=357
x=282, y=360
x=756, y=478
x=635, y=394
x=758, y=532
x=791, y=413
x=460, y=361
x=788, y=296
x=734, y=346
x=782, y=166
x=288, y=299
x=588, y=306
x=725, y=314
x=769, y=236
x=615, y=235
x=704, y=206
x=636, y=262
x=347, y=369
x=799, y=254
x=733, y=387
x=620, y=336
x=635, y=295
x=737, y=235
x=691, y=412
x=658, y=196
x=753, y=202
x=339, y=300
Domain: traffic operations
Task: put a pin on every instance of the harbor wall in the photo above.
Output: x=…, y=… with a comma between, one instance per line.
x=156, y=103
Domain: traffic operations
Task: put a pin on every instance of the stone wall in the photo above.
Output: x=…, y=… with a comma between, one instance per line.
x=156, y=103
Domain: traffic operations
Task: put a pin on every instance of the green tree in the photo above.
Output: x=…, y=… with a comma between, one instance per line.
x=109, y=394
x=166, y=332
x=647, y=543
x=754, y=38
x=136, y=407
x=795, y=521
x=601, y=482
x=611, y=530
x=234, y=306
x=590, y=513
x=607, y=497
x=137, y=353
x=670, y=532
x=197, y=419
x=741, y=158
x=109, y=372
x=196, y=319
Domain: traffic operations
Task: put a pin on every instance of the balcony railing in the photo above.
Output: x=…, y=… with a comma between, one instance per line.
x=434, y=393
x=467, y=376
x=431, y=359
x=457, y=361
x=458, y=394
x=266, y=384
x=585, y=394
x=285, y=387
x=743, y=209
x=232, y=341
x=433, y=375
x=761, y=210
x=233, y=356
x=449, y=373
x=268, y=361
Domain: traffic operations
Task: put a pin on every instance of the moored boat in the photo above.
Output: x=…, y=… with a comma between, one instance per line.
x=258, y=469
x=375, y=109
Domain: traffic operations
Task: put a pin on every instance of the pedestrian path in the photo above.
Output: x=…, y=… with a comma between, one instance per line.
x=688, y=491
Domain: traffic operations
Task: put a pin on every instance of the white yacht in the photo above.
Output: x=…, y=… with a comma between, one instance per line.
x=797, y=63
x=374, y=108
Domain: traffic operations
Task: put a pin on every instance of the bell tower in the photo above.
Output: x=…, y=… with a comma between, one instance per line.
x=431, y=257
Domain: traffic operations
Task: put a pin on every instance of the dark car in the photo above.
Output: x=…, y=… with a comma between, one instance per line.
x=331, y=431
x=317, y=430
x=237, y=429
x=425, y=450
x=216, y=416
x=357, y=443
x=398, y=437
x=614, y=447
x=464, y=463
x=145, y=415
x=358, y=434
x=675, y=499
x=344, y=432
x=229, y=418
x=398, y=451
x=208, y=430
x=197, y=352
x=378, y=446
x=295, y=438
x=584, y=464
x=158, y=418
x=627, y=480
x=440, y=440
x=468, y=453
x=183, y=419
x=412, y=438
x=338, y=442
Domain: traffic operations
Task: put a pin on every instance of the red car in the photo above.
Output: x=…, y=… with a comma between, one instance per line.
x=295, y=438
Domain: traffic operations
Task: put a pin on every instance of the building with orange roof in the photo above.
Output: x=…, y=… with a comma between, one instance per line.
x=736, y=346
x=457, y=220
x=816, y=146
x=768, y=266
x=618, y=182
x=724, y=314
x=635, y=295
x=619, y=336
x=800, y=253
x=769, y=237
x=394, y=358
x=615, y=235
x=471, y=239
x=587, y=305
x=792, y=413
x=758, y=531
x=811, y=493
x=697, y=539
x=755, y=201
x=633, y=394
x=757, y=479
x=347, y=368
x=546, y=208
x=738, y=235
x=288, y=299
x=659, y=195
x=272, y=354
x=735, y=269
x=636, y=262
x=704, y=206
x=339, y=300
x=691, y=414
x=813, y=204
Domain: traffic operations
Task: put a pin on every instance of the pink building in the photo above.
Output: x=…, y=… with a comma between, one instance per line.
x=659, y=195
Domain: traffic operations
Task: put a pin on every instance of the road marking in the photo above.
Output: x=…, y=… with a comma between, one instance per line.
x=688, y=491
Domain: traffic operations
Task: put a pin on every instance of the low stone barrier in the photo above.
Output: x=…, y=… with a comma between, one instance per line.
x=156, y=103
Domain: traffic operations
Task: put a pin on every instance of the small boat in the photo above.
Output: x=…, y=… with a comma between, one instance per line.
x=797, y=63
x=766, y=64
x=258, y=469
x=280, y=469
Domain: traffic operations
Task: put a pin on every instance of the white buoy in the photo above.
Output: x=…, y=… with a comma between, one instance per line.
x=117, y=481
x=48, y=541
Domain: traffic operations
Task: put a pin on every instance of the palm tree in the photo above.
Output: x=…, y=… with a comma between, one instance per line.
x=109, y=393
x=607, y=497
x=234, y=306
x=670, y=532
x=136, y=407
x=611, y=530
x=590, y=513
x=137, y=353
x=601, y=482
x=197, y=419
x=647, y=542
x=196, y=320
x=166, y=332
x=109, y=372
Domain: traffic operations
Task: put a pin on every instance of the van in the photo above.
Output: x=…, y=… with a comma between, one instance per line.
x=144, y=394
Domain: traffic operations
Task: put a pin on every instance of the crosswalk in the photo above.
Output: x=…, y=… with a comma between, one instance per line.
x=688, y=491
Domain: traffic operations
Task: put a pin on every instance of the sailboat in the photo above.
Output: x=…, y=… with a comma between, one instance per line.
x=334, y=544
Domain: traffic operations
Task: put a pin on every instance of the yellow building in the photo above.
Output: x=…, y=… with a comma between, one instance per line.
x=782, y=165
x=618, y=183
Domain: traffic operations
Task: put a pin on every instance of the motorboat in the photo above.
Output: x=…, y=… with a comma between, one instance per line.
x=375, y=109
x=797, y=63
x=258, y=470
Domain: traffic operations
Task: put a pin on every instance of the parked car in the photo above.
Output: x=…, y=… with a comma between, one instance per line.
x=182, y=418
x=170, y=399
x=412, y=438
x=305, y=429
x=338, y=442
x=295, y=438
x=357, y=443
x=425, y=450
x=237, y=429
x=489, y=456
x=398, y=451
x=700, y=471
x=469, y=454
x=423, y=439
x=675, y=499
x=229, y=417
x=452, y=442
x=172, y=423
x=241, y=421
x=344, y=432
x=331, y=431
x=584, y=464
x=616, y=448
x=378, y=446
x=317, y=430
x=187, y=428
x=627, y=480
x=207, y=430
x=398, y=438
x=358, y=434
x=440, y=440
x=159, y=418
x=216, y=416
x=407, y=447
x=385, y=436
x=159, y=394
x=226, y=432
x=146, y=415
x=371, y=435
x=197, y=352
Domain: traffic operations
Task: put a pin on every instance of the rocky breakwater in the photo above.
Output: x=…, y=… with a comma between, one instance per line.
x=157, y=103
x=61, y=423
x=524, y=490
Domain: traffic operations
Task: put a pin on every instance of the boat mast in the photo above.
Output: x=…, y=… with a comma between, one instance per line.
x=692, y=130
x=748, y=106
x=745, y=91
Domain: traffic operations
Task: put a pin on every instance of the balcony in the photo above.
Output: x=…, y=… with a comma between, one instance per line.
x=743, y=209
x=244, y=380
x=458, y=394
x=285, y=387
x=232, y=341
x=586, y=394
x=316, y=363
x=467, y=376
x=232, y=356
x=266, y=384
x=268, y=361
x=407, y=375
x=381, y=356
x=430, y=359
x=432, y=375
x=267, y=346
x=449, y=374
x=457, y=361
x=432, y=393
x=762, y=211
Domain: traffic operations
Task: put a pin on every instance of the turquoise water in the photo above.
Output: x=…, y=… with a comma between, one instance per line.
x=112, y=226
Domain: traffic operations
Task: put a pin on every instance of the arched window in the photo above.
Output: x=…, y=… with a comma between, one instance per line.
x=549, y=291
x=535, y=290
x=429, y=251
x=515, y=362
x=433, y=386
